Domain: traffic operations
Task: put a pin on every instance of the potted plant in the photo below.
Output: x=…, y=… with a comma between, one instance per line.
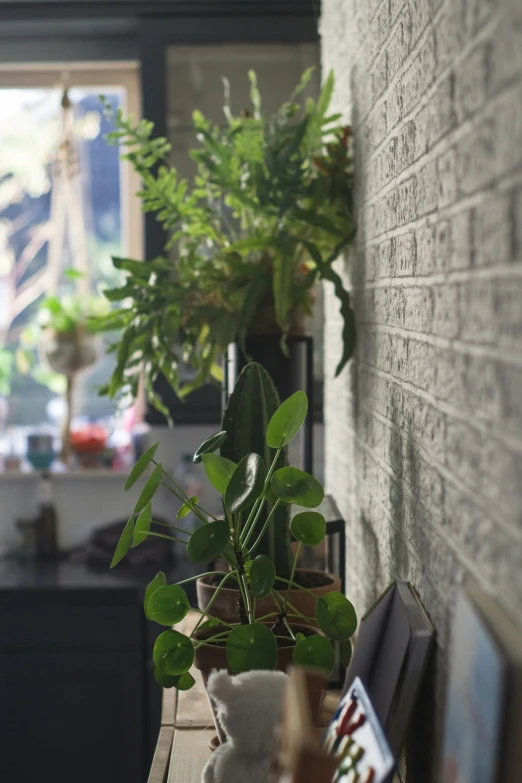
x=252, y=403
x=259, y=639
x=61, y=343
x=269, y=211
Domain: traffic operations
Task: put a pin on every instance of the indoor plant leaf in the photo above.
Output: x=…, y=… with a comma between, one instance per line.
x=287, y=420
x=336, y=616
x=308, y=527
x=210, y=445
x=295, y=486
x=262, y=576
x=160, y=580
x=246, y=484
x=251, y=647
x=141, y=466
x=182, y=682
x=142, y=526
x=173, y=652
x=187, y=507
x=124, y=544
x=314, y=651
x=149, y=489
x=208, y=541
x=168, y=605
x=219, y=471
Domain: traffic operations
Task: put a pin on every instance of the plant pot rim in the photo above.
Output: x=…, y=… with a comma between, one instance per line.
x=330, y=579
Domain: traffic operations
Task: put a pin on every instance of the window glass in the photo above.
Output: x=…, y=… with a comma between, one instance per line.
x=30, y=133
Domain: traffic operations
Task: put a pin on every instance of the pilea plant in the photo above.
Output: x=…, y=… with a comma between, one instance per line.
x=247, y=488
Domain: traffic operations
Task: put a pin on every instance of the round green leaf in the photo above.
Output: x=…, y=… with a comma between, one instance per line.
x=187, y=507
x=168, y=605
x=160, y=580
x=287, y=420
x=219, y=471
x=173, y=653
x=142, y=525
x=336, y=616
x=149, y=490
x=182, y=682
x=212, y=622
x=308, y=527
x=210, y=445
x=124, y=544
x=314, y=651
x=262, y=576
x=251, y=647
x=208, y=541
x=246, y=484
x=295, y=486
x=140, y=466
x=185, y=682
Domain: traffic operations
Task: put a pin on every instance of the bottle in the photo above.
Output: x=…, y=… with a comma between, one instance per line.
x=46, y=521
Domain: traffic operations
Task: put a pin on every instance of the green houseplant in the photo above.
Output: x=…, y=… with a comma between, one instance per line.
x=265, y=641
x=60, y=343
x=269, y=211
x=250, y=407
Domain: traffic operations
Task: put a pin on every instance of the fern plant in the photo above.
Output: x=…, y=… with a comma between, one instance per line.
x=268, y=212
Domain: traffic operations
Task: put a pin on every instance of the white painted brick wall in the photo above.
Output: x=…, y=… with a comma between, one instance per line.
x=424, y=429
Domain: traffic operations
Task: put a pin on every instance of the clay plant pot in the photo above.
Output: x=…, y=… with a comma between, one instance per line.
x=226, y=606
x=214, y=656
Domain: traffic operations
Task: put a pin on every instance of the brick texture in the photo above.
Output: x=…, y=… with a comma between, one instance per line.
x=424, y=428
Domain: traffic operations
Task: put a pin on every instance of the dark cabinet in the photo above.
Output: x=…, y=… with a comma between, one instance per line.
x=77, y=699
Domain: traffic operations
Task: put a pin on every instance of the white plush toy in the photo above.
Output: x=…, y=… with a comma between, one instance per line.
x=248, y=707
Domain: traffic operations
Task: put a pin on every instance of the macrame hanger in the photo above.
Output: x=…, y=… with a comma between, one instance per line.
x=67, y=213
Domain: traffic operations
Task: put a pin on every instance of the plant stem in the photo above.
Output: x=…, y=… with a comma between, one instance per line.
x=160, y=535
x=198, y=576
x=252, y=519
x=243, y=586
x=263, y=531
x=301, y=617
x=181, y=495
x=212, y=639
x=288, y=628
x=171, y=527
x=299, y=587
x=210, y=603
x=294, y=566
x=211, y=617
x=266, y=616
x=258, y=505
x=294, y=609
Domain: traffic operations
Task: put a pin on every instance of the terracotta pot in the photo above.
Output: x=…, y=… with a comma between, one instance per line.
x=226, y=605
x=212, y=656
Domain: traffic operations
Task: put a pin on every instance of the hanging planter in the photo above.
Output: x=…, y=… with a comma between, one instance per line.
x=69, y=352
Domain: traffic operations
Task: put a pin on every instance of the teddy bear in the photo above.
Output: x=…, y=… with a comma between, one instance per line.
x=248, y=707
